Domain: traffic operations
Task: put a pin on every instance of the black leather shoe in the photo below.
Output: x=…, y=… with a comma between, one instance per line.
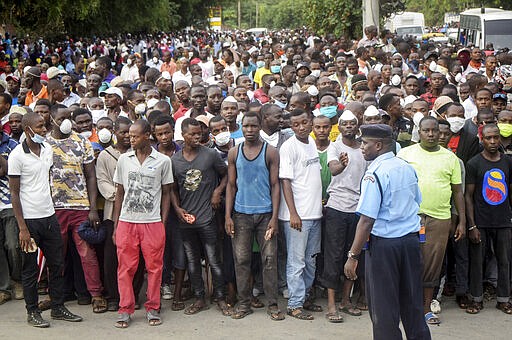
x=62, y=313
x=35, y=319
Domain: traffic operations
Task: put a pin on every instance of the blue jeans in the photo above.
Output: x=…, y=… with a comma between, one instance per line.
x=302, y=247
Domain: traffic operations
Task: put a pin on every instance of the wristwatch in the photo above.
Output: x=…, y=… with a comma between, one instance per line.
x=353, y=256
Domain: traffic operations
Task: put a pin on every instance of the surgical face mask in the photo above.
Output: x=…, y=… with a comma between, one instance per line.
x=260, y=64
x=140, y=109
x=275, y=68
x=129, y=62
x=280, y=104
x=190, y=55
x=86, y=134
x=104, y=135
x=315, y=73
x=396, y=80
x=66, y=126
x=417, y=117
x=432, y=67
x=155, y=60
x=456, y=123
x=328, y=111
x=222, y=138
x=458, y=77
x=36, y=138
x=505, y=129
x=402, y=102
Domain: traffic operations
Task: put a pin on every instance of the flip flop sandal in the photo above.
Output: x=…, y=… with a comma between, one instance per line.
x=194, y=309
x=275, y=314
x=177, y=306
x=362, y=306
x=310, y=306
x=256, y=303
x=112, y=306
x=123, y=321
x=432, y=319
x=154, y=318
x=350, y=310
x=505, y=307
x=240, y=314
x=224, y=308
x=299, y=313
x=462, y=301
x=334, y=317
x=474, y=307
x=99, y=305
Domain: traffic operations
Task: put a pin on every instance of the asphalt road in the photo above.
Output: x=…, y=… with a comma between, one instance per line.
x=210, y=324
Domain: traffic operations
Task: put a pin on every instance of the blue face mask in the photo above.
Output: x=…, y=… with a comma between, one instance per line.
x=36, y=138
x=260, y=64
x=275, y=68
x=328, y=111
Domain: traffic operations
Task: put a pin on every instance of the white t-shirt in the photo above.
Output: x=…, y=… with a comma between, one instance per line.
x=345, y=188
x=300, y=164
x=142, y=185
x=34, y=173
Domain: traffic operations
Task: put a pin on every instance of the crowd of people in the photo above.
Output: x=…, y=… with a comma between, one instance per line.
x=228, y=165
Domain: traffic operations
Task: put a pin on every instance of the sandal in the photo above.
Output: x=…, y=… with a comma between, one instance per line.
x=240, y=313
x=474, y=307
x=334, y=317
x=112, y=306
x=99, y=304
x=354, y=311
x=310, y=306
x=177, y=305
x=505, y=307
x=362, y=306
x=123, y=321
x=275, y=314
x=154, y=318
x=196, y=307
x=256, y=303
x=462, y=301
x=299, y=313
x=432, y=319
x=224, y=308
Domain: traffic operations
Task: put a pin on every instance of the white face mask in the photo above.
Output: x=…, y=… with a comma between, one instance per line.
x=402, y=102
x=417, y=117
x=281, y=105
x=432, y=67
x=396, y=80
x=315, y=73
x=104, y=135
x=140, y=108
x=66, y=126
x=456, y=123
x=458, y=77
x=190, y=55
x=86, y=134
x=129, y=62
x=223, y=138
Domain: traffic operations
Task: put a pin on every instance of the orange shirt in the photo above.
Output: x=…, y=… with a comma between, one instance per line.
x=169, y=67
x=31, y=98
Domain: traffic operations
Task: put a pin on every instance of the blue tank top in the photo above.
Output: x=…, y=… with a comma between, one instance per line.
x=253, y=183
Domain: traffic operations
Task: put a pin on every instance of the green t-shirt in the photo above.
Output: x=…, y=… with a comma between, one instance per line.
x=325, y=173
x=436, y=171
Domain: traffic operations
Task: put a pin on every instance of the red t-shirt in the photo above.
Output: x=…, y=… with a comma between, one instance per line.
x=453, y=144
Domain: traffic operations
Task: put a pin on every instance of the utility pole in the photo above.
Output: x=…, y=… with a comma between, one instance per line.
x=256, y=15
x=370, y=13
x=239, y=15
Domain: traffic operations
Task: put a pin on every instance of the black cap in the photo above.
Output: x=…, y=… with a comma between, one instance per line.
x=376, y=131
x=430, y=54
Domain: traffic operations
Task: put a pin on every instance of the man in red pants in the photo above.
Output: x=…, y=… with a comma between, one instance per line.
x=143, y=178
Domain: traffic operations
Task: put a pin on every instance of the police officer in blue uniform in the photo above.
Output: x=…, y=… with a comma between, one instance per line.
x=389, y=222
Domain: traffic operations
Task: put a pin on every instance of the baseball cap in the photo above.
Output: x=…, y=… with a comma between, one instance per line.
x=53, y=72
x=113, y=90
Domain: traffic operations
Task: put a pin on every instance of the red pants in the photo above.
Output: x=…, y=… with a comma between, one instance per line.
x=130, y=239
x=70, y=220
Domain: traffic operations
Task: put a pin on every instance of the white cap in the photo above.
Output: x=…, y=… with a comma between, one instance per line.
x=113, y=90
x=230, y=99
x=312, y=90
x=53, y=72
x=371, y=111
x=409, y=99
x=165, y=75
x=347, y=115
x=252, y=50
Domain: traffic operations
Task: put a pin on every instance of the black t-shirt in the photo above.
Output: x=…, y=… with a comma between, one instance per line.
x=491, y=196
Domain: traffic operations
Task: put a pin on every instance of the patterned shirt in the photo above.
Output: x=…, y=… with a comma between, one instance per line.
x=68, y=182
x=7, y=144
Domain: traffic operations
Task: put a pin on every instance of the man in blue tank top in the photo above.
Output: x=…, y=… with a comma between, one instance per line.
x=252, y=203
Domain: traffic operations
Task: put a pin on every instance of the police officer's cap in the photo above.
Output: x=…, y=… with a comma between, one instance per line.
x=376, y=131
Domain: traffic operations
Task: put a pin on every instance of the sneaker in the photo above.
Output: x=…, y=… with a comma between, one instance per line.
x=36, y=320
x=435, y=306
x=286, y=294
x=166, y=292
x=17, y=291
x=62, y=313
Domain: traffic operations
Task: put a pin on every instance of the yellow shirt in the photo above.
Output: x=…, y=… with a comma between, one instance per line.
x=259, y=74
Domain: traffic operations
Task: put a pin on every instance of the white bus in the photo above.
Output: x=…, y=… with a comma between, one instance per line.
x=493, y=26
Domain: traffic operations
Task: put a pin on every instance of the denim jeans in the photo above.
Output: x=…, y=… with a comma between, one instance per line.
x=500, y=239
x=206, y=238
x=10, y=251
x=302, y=247
x=246, y=228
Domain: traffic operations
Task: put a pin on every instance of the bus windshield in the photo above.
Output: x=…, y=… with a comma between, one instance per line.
x=499, y=33
x=409, y=30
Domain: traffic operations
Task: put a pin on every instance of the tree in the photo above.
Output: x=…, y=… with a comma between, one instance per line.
x=340, y=17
